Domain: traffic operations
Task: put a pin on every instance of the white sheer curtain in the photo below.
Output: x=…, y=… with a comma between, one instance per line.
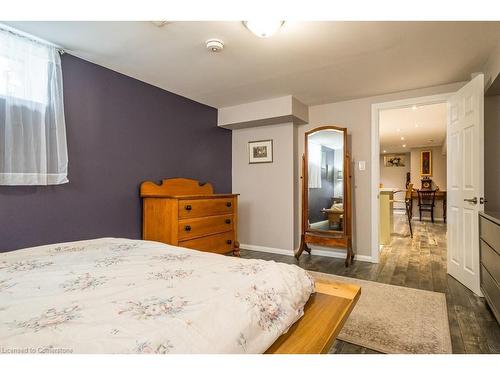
x=314, y=167
x=32, y=127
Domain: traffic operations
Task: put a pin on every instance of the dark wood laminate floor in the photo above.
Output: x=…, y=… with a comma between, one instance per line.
x=418, y=263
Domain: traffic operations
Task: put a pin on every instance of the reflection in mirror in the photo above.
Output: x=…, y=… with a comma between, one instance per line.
x=325, y=150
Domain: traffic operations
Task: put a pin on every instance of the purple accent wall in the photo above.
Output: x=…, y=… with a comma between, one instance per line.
x=120, y=132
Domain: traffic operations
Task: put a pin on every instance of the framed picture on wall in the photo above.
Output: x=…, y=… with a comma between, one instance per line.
x=426, y=163
x=397, y=160
x=260, y=152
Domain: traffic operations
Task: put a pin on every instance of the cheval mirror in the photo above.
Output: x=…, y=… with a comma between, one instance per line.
x=326, y=191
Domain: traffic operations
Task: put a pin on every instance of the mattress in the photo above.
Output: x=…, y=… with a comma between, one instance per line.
x=114, y=295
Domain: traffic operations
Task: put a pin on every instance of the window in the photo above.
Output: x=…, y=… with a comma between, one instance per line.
x=32, y=126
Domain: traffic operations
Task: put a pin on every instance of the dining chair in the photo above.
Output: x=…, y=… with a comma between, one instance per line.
x=426, y=202
x=408, y=206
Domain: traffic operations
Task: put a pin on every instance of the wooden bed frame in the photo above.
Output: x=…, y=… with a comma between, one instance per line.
x=324, y=316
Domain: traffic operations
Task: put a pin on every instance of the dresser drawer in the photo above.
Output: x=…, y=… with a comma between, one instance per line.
x=490, y=260
x=219, y=243
x=205, y=207
x=490, y=232
x=491, y=290
x=202, y=226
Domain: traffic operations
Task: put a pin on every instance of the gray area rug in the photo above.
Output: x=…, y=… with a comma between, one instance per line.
x=396, y=320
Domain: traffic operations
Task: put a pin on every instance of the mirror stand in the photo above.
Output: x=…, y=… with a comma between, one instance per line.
x=326, y=192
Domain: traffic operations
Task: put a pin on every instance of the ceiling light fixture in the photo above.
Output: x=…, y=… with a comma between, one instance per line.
x=404, y=145
x=263, y=29
x=385, y=151
x=402, y=138
x=414, y=107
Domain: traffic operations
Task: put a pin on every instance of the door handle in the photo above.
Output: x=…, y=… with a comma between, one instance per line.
x=482, y=200
x=471, y=200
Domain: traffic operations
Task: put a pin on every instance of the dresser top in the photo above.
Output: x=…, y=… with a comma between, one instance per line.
x=179, y=188
x=491, y=215
x=192, y=196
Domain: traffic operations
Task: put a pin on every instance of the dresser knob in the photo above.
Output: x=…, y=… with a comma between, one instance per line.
x=188, y=207
x=228, y=221
x=187, y=228
x=228, y=204
x=229, y=242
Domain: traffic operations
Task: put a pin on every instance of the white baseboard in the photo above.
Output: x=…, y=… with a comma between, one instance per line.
x=314, y=251
x=265, y=249
x=427, y=219
x=399, y=212
x=338, y=254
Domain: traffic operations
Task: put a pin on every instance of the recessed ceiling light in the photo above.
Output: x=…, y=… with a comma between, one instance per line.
x=414, y=107
x=404, y=145
x=263, y=28
x=402, y=138
x=416, y=125
x=385, y=151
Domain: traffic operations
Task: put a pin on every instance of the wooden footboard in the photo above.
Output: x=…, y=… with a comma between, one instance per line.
x=324, y=316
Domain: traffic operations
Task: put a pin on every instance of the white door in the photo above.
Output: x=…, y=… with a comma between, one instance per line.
x=465, y=181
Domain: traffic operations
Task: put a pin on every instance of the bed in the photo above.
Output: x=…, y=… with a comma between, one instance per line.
x=130, y=296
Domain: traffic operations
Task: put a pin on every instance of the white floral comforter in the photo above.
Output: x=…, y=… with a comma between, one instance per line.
x=126, y=296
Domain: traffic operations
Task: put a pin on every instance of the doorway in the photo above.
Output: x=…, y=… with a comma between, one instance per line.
x=412, y=184
x=465, y=176
x=398, y=144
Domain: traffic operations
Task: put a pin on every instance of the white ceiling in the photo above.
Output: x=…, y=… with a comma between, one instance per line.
x=317, y=62
x=333, y=139
x=418, y=127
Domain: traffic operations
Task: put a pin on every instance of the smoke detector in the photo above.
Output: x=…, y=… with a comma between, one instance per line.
x=215, y=45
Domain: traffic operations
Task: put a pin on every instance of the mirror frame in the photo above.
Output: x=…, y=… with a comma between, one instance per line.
x=337, y=239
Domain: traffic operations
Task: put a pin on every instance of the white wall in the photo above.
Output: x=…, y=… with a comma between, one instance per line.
x=438, y=176
x=395, y=177
x=262, y=113
x=270, y=200
x=266, y=202
x=438, y=167
x=356, y=116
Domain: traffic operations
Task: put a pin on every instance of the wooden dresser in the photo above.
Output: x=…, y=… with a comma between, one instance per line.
x=489, y=232
x=183, y=212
